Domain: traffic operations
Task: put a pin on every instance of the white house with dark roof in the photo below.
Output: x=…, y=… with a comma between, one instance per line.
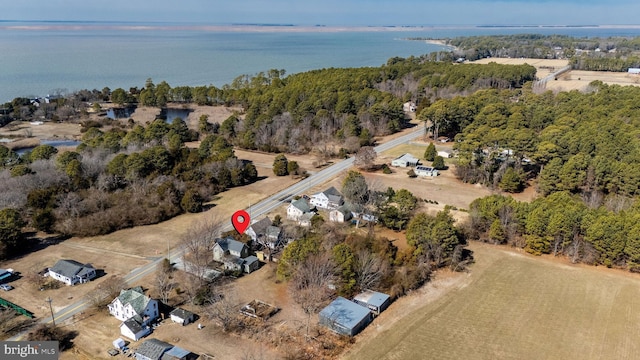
x=72, y=272
x=328, y=199
x=182, y=316
x=133, y=328
x=405, y=160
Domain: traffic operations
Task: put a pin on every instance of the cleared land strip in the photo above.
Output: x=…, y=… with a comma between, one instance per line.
x=518, y=307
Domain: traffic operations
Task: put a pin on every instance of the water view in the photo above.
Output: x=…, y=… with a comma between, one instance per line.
x=37, y=61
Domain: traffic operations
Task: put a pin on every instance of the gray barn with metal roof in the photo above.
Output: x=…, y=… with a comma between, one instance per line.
x=345, y=317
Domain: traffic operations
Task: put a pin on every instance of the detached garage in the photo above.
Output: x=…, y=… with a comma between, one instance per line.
x=345, y=317
x=182, y=316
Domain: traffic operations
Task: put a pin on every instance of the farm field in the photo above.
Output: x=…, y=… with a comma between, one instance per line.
x=571, y=80
x=515, y=306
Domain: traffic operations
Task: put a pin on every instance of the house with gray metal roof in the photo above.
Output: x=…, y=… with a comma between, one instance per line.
x=375, y=301
x=345, y=317
x=234, y=255
x=72, y=272
x=152, y=349
x=229, y=246
x=405, y=160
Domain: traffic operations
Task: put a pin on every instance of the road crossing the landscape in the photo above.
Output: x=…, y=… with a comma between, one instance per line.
x=262, y=208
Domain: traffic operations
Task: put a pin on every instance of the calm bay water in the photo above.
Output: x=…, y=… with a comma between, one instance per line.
x=36, y=61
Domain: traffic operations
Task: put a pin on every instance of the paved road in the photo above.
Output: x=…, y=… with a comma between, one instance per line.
x=263, y=207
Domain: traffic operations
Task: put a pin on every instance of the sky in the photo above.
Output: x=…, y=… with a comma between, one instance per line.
x=332, y=12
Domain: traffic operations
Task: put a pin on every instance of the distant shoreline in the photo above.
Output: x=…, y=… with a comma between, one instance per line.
x=81, y=26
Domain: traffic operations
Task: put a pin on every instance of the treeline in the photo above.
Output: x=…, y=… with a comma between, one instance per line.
x=596, y=54
x=562, y=224
x=118, y=178
x=605, y=63
x=578, y=142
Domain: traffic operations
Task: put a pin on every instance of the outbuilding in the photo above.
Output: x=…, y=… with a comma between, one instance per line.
x=375, y=301
x=133, y=328
x=426, y=171
x=345, y=317
x=182, y=316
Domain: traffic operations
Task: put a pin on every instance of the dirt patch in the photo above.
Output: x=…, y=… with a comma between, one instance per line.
x=580, y=80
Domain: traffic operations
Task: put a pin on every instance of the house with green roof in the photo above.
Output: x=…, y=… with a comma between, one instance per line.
x=135, y=310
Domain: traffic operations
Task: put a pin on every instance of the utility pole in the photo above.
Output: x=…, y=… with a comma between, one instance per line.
x=53, y=319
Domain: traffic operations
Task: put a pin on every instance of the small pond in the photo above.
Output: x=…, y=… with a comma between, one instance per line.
x=169, y=114
x=55, y=143
x=120, y=113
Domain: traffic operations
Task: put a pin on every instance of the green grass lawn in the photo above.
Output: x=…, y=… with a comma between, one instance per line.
x=519, y=307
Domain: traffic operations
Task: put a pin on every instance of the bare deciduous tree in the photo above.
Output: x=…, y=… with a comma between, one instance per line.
x=106, y=291
x=197, y=243
x=310, y=285
x=370, y=269
x=225, y=310
x=164, y=280
x=365, y=158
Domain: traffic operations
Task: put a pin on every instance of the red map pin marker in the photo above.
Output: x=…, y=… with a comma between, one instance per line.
x=240, y=220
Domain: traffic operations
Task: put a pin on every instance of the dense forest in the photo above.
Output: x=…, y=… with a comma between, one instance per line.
x=596, y=54
x=582, y=152
x=115, y=179
x=579, y=142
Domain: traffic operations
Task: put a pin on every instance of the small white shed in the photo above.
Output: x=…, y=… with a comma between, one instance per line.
x=182, y=316
x=119, y=343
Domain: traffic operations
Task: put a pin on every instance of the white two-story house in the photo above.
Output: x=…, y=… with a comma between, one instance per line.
x=135, y=310
x=328, y=199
